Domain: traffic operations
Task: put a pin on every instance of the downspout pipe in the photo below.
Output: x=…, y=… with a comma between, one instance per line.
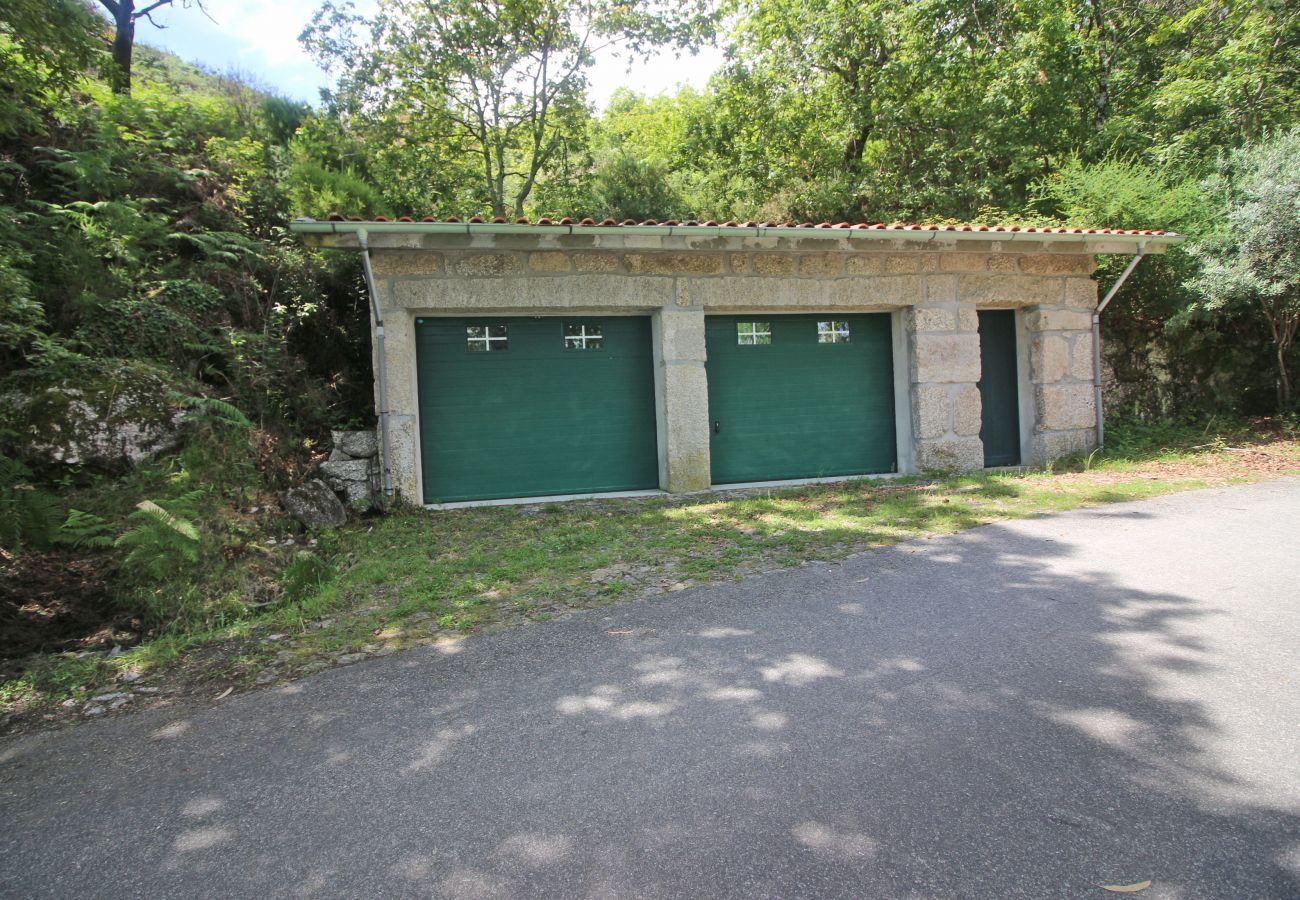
x=1096, y=341
x=381, y=368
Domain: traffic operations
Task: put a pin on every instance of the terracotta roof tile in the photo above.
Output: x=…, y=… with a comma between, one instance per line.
x=710, y=223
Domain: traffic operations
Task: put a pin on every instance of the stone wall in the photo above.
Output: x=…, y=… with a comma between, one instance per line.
x=937, y=284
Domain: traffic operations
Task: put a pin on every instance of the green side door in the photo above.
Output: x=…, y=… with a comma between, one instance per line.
x=999, y=387
x=803, y=396
x=532, y=407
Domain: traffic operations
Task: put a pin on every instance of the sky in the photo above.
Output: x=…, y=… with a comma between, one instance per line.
x=260, y=38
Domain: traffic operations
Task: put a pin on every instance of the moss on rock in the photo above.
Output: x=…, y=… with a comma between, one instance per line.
x=103, y=414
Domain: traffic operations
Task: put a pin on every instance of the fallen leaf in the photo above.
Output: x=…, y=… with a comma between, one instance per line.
x=619, y=631
x=224, y=694
x=1126, y=888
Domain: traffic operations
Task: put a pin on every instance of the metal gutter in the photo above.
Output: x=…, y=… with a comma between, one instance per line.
x=1096, y=341
x=381, y=367
x=312, y=226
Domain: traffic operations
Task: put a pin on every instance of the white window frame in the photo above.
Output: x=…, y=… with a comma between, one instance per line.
x=833, y=332
x=754, y=333
x=580, y=340
x=485, y=343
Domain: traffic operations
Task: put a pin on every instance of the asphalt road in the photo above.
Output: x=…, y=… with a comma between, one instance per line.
x=1023, y=710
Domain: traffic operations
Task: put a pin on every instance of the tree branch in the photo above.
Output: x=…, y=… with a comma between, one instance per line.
x=144, y=13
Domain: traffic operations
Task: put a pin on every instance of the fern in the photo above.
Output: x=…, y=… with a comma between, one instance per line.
x=211, y=410
x=163, y=541
x=28, y=515
x=83, y=529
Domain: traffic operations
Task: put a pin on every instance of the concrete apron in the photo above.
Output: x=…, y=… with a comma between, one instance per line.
x=714, y=489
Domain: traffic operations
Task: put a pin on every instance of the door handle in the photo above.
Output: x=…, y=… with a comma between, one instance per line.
x=717, y=427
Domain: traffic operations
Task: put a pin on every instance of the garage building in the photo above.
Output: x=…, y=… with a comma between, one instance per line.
x=519, y=360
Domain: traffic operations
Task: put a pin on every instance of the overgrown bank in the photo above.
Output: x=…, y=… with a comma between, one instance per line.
x=419, y=577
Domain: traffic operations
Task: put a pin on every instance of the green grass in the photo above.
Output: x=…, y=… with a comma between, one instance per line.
x=417, y=576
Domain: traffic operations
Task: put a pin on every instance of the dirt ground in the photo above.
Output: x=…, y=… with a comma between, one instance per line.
x=55, y=602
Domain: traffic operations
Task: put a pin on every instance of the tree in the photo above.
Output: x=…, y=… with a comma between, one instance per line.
x=496, y=84
x=45, y=47
x=125, y=15
x=1255, y=257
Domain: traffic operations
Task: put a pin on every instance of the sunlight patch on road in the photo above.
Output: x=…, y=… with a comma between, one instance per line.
x=799, y=669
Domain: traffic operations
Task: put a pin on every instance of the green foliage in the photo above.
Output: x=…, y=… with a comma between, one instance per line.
x=86, y=530
x=175, y=321
x=625, y=186
x=1163, y=362
x=1253, y=260
x=213, y=411
x=303, y=578
x=29, y=516
x=490, y=92
x=45, y=47
x=163, y=541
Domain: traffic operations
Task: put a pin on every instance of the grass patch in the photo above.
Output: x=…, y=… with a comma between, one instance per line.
x=418, y=576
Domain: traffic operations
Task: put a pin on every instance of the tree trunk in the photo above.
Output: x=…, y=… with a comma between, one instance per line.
x=123, y=46
x=1283, y=381
x=856, y=146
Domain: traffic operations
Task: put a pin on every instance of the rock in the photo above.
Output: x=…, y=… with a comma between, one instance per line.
x=348, y=659
x=104, y=698
x=610, y=573
x=356, y=479
x=146, y=690
x=356, y=444
x=109, y=417
x=93, y=711
x=314, y=505
x=129, y=676
x=118, y=704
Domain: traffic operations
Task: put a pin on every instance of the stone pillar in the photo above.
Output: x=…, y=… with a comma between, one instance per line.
x=399, y=360
x=681, y=399
x=944, y=367
x=1060, y=377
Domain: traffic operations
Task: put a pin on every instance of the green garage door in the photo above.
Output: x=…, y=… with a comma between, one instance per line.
x=530, y=407
x=800, y=396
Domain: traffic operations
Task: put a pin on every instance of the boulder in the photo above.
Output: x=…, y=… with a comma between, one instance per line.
x=315, y=505
x=356, y=444
x=109, y=416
